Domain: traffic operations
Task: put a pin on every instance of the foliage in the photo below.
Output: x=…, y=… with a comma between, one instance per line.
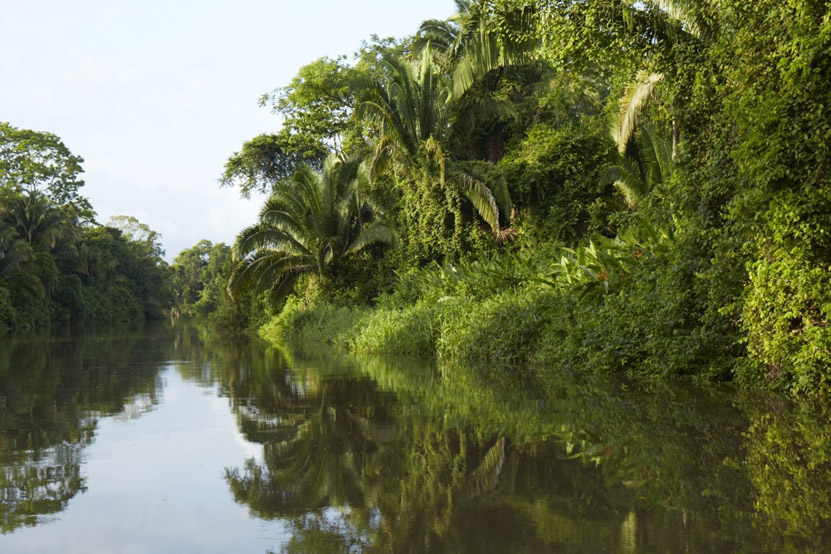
x=313, y=324
x=139, y=234
x=502, y=330
x=309, y=224
x=553, y=176
x=34, y=161
x=411, y=330
x=487, y=141
x=787, y=305
x=263, y=161
x=641, y=169
x=55, y=270
x=409, y=109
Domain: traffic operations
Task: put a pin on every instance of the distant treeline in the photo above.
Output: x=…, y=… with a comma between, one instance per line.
x=57, y=264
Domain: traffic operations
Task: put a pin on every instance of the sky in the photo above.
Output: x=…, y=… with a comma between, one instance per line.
x=156, y=95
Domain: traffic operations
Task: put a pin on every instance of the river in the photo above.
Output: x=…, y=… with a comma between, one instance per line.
x=163, y=438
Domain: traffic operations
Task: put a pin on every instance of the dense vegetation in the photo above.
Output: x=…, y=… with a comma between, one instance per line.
x=57, y=265
x=636, y=187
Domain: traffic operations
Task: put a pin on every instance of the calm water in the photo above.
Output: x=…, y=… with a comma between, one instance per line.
x=164, y=439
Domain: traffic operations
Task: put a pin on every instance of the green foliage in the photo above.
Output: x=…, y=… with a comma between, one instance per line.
x=641, y=169
x=56, y=266
x=315, y=323
x=787, y=304
x=649, y=327
x=468, y=279
x=121, y=280
x=553, y=174
x=33, y=161
x=316, y=107
x=502, y=330
x=604, y=264
x=411, y=330
x=142, y=237
x=487, y=140
x=200, y=285
x=309, y=224
x=265, y=160
x=409, y=110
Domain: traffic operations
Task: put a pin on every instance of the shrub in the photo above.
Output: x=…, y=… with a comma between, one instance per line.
x=503, y=329
x=412, y=330
x=317, y=323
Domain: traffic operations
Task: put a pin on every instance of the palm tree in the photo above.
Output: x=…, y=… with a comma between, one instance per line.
x=641, y=169
x=668, y=21
x=312, y=221
x=34, y=218
x=410, y=108
x=480, y=37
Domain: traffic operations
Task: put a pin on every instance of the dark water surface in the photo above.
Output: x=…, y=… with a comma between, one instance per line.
x=164, y=439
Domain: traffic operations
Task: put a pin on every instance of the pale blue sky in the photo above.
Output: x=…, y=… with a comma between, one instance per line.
x=155, y=95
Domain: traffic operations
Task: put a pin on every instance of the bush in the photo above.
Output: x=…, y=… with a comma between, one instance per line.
x=412, y=330
x=787, y=304
x=650, y=326
x=503, y=329
x=317, y=323
x=553, y=175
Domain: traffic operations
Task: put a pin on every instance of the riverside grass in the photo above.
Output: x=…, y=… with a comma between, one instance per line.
x=645, y=328
x=503, y=329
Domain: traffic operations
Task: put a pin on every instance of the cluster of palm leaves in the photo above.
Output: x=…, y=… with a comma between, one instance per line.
x=642, y=167
x=27, y=222
x=308, y=225
x=475, y=279
x=473, y=41
x=412, y=110
x=645, y=154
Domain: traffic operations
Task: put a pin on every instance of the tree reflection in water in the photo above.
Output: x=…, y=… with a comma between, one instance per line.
x=368, y=455
x=383, y=457
x=53, y=389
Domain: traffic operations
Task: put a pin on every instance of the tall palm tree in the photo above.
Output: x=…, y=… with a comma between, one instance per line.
x=480, y=37
x=410, y=108
x=312, y=221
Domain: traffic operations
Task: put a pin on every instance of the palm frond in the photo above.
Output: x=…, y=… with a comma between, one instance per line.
x=310, y=221
x=634, y=99
x=625, y=178
x=374, y=233
x=683, y=11
x=481, y=197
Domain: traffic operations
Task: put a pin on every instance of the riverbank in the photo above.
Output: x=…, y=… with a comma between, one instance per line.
x=531, y=325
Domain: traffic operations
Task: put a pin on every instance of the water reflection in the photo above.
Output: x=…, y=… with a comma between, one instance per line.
x=368, y=455
x=453, y=462
x=53, y=388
